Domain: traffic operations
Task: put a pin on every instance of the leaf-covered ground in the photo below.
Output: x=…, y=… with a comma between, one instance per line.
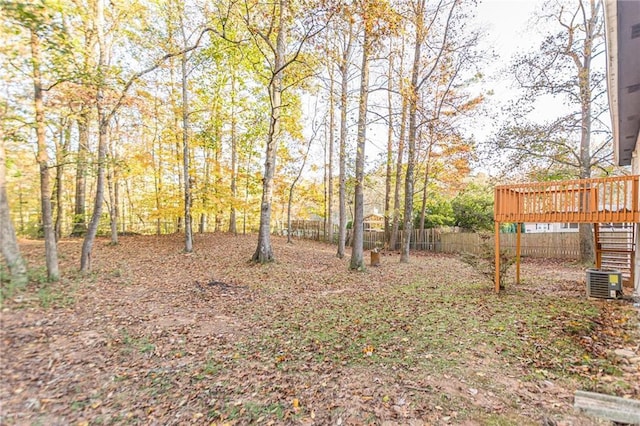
x=157, y=336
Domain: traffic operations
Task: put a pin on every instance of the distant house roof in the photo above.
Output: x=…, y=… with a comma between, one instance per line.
x=373, y=221
x=622, y=18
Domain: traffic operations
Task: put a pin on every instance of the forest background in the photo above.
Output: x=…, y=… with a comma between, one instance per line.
x=171, y=116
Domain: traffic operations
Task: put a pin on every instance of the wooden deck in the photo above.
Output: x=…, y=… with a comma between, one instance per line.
x=604, y=200
x=611, y=200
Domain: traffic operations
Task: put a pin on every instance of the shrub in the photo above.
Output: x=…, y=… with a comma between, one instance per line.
x=485, y=262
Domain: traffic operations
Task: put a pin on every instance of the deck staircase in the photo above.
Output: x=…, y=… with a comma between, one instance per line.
x=615, y=248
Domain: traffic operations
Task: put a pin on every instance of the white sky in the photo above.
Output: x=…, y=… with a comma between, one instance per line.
x=506, y=24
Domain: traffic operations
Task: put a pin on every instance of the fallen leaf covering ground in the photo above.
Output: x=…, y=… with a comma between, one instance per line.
x=157, y=336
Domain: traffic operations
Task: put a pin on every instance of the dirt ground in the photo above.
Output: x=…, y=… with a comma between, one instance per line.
x=156, y=336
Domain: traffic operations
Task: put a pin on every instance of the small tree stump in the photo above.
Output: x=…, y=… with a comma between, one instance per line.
x=375, y=257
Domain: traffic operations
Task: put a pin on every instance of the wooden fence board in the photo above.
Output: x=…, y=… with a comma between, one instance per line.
x=555, y=245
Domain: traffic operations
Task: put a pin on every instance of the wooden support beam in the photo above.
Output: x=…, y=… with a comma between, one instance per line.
x=497, y=250
x=635, y=260
x=597, y=245
x=518, y=247
x=608, y=407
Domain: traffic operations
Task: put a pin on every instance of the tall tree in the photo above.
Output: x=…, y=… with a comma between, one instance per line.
x=564, y=69
x=41, y=25
x=281, y=45
x=82, y=104
x=8, y=241
x=184, y=59
x=378, y=20
x=357, y=255
x=234, y=158
x=79, y=208
x=447, y=153
x=330, y=142
x=420, y=74
x=264, y=251
x=389, y=162
x=63, y=140
x=393, y=238
x=51, y=250
x=347, y=47
x=103, y=123
x=294, y=182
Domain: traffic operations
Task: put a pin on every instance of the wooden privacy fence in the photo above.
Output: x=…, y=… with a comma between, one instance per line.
x=426, y=240
x=553, y=245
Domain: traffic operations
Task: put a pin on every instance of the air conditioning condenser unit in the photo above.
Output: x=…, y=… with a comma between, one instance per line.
x=604, y=284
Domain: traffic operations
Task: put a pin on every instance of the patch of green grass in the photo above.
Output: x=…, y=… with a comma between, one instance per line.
x=417, y=325
x=500, y=420
x=256, y=411
x=367, y=329
x=60, y=294
x=38, y=275
x=131, y=344
x=158, y=383
x=8, y=288
x=5, y=277
x=212, y=366
x=51, y=296
x=80, y=404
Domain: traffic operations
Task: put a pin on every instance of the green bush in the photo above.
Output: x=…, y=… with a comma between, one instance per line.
x=485, y=262
x=473, y=208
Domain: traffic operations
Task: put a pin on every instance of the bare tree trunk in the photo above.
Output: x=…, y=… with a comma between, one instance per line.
x=264, y=251
x=587, y=251
x=295, y=182
x=399, y=161
x=157, y=153
x=246, y=194
x=205, y=195
x=329, y=216
x=103, y=125
x=342, y=192
x=8, y=241
x=79, y=221
x=87, y=245
x=64, y=138
x=357, y=250
x=112, y=185
x=79, y=213
x=217, y=157
x=177, y=146
x=234, y=159
x=413, y=127
x=423, y=208
x=51, y=250
x=188, y=236
x=387, y=182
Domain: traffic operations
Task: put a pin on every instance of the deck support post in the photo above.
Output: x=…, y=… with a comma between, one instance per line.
x=497, y=250
x=597, y=245
x=635, y=262
x=518, y=250
x=635, y=202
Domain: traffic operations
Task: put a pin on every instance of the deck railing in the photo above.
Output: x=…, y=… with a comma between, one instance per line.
x=600, y=200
